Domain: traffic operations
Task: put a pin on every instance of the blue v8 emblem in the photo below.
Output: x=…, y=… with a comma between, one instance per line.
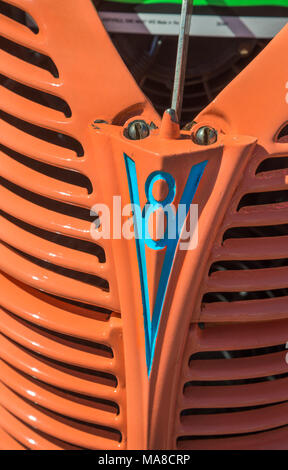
x=143, y=239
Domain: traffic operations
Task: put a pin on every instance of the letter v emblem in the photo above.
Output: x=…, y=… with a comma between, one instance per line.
x=151, y=322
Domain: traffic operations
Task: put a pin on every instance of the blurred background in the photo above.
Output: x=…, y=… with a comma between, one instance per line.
x=225, y=36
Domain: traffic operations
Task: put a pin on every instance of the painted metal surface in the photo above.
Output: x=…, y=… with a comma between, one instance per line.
x=73, y=355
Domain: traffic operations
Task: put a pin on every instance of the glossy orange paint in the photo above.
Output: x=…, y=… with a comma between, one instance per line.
x=73, y=371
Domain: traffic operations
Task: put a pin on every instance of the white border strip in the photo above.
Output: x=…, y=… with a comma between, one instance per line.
x=202, y=25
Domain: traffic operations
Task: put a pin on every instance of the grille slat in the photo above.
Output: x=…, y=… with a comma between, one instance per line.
x=7, y=442
x=41, y=184
x=49, y=251
x=71, y=210
x=36, y=307
x=19, y=33
x=27, y=73
x=26, y=54
x=233, y=336
x=235, y=423
x=48, y=100
x=62, y=428
x=245, y=311
x=267, y=181
x=46, y=134
x=60, y=402
x=42, y=217
x=16, y=13
x=53, y=347
x=252, y=249
x=248, y=280
x=58, y=375
x=239, y=368
x=24, y=143
x=68, y=176
x=52, y=282
x=29, y=437
x=31, y=112
x=227, y=396
x=77, y=244
x=268, y=440
x=271, y=214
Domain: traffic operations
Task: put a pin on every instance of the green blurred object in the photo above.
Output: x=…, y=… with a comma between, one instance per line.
x=218, y=3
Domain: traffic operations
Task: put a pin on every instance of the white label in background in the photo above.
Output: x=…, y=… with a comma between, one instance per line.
x=202, y=25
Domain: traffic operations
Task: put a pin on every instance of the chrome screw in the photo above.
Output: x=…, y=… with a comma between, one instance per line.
x=137, y=130
x=206, y=136
x=98, y=121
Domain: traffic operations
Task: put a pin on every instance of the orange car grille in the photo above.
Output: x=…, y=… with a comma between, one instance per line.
x=62, y=379
x=235, y=376
x=62, y=374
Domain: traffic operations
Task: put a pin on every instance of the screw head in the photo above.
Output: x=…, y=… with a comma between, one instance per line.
x=245, y=48
x=243, y=51
x=137, y=130
x=206, y=136
x=98, y=121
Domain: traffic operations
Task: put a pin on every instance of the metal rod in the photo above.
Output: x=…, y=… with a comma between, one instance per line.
x=181, y=60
